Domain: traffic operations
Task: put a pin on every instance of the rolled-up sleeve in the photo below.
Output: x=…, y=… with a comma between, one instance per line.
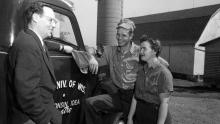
x=165, y=82
x=107, y=55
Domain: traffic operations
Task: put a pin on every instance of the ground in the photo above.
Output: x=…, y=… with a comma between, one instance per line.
x=193, y=103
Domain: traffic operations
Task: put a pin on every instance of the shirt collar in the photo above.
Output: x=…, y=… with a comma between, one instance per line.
x=41, y=40
x=156, y=64
x=133, y=48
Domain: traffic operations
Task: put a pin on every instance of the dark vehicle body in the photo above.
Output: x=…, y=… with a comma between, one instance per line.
x=72, y=85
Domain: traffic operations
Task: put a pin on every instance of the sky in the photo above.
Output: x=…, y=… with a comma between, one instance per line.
x=86, y=12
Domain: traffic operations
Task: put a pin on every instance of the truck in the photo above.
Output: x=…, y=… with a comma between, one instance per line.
x=72, y=85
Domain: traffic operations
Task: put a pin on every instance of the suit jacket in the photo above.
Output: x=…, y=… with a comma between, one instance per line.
x=31, y=82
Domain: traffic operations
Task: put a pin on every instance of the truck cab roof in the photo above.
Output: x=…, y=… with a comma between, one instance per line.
x=58, y=3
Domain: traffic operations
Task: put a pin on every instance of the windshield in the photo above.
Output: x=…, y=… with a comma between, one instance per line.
x=63, y=29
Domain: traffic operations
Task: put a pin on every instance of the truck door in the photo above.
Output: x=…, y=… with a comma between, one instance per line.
x=72, y=84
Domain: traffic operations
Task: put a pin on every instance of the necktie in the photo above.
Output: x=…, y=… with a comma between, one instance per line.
x=45, y=50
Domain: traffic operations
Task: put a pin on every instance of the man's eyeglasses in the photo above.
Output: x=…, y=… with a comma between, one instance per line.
x=50, y=19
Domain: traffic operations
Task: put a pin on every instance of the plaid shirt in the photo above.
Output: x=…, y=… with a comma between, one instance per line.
x=123, y=66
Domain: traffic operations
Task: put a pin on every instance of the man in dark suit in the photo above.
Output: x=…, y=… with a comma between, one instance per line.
x=31, y=74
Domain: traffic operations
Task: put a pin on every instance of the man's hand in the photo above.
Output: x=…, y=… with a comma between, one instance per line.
x=67, y=49
x=93, y=65
x=90, y=50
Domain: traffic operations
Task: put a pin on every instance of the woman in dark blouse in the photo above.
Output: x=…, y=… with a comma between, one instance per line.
x=153, y=87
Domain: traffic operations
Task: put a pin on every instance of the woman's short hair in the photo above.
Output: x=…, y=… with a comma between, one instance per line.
x=154, y=43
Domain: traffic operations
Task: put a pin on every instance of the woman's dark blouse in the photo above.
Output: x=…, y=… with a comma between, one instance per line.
x=153, y=81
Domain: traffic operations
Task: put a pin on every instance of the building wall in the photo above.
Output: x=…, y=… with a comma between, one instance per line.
x=212, y=60
x=199, y=61
x=178, y=38
x=182, y=59
x=165, y=53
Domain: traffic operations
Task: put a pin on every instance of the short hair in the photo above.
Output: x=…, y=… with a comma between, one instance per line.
x=127, y=24
x=154, y=43
x=35, y=7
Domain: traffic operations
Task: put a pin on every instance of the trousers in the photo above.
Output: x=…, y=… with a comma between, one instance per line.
x=147, y=113
x=101, y=105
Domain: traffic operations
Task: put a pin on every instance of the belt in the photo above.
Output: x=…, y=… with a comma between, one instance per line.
x=126, y=90
x=147, y=103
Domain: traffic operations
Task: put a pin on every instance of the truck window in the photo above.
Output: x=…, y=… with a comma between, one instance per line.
x=63, y=29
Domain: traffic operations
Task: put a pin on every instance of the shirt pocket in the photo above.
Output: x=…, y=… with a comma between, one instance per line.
x=153, y=84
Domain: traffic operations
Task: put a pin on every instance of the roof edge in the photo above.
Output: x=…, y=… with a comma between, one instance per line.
x=177, y=15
